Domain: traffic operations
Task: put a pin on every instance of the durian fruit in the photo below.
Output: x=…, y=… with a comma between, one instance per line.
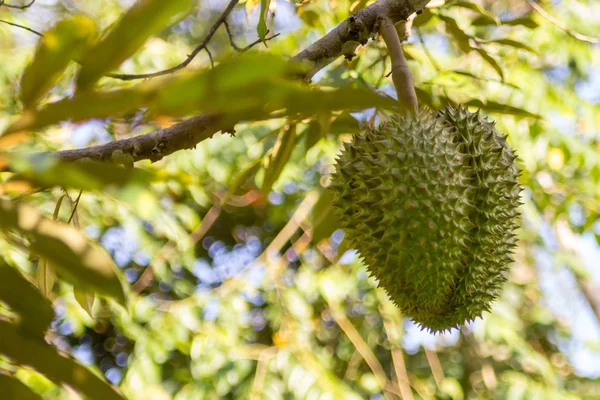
x=431, y=201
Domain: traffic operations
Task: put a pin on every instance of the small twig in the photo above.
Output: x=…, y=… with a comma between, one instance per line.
x=363, y=348
x=20, y=26
x=248, y=47
x=261, y=372
x=183, y=64
x=561, y=25
x=391, y=330
x=2, y=3
x=290, y=228
x=401, y=75
x=74, y=206
x=165, y=252
x=210, y=57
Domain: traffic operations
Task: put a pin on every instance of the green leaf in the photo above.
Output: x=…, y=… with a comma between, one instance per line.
x=424, y=97
x=344, y=123
x=312, y=134
x=317, y=129
x=473, y=76
x=85, y=300
x=492, y=61
x=210, y=88
x=45, y=171
x=144, y=19
x=81, y=107
x=45, y=359
x=22, y=297
x=240, y=179
x=424, y=18
x=247, y=87
x=64, y=42
x=45, y=276
x=526, y=21
x=261, y=28
x=500, y=108
x=475, y=7
x=323, y=218
x=14, y=389
x=279, y=157
x=45, y=273
x=77, y=259
x=460, y=37
x=513, y=43
x=310, y=17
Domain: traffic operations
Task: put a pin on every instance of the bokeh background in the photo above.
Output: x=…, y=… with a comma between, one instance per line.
x=240, y=290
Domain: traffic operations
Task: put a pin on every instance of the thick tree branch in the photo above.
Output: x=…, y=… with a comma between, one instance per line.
x=342, y=40
x=151, y=146
x=345, y=38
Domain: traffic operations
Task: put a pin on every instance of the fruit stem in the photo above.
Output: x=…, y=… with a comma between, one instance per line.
x=401, y=76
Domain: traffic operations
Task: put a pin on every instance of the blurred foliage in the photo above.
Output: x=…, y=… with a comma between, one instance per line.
x=232, y=280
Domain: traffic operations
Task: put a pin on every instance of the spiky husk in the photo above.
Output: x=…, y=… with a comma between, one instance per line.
x=431, y=201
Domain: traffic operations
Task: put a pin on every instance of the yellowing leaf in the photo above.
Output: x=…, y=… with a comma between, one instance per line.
x=144, y=19
x=64, y=42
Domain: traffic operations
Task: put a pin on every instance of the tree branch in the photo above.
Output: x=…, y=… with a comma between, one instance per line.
x=202, y=46
x=2, y=3
x=562, y=26
x=401, y=75
x=21, y=26
x=248, y=47
x=342, y=40
x=151, y=146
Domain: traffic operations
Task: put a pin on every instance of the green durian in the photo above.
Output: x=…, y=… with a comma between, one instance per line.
x=431, y=201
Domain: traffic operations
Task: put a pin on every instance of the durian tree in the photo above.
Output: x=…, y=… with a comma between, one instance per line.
x=324, y=199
